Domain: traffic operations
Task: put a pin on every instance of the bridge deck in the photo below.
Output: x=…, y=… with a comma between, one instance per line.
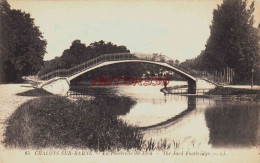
x=108, y=59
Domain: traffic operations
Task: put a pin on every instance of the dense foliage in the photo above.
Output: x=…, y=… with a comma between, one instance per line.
x=197, y=63
x=233, y=42
x=79, y=53
x=21, y=42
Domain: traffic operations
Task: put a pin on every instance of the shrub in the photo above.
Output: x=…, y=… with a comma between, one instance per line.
x=58, y=122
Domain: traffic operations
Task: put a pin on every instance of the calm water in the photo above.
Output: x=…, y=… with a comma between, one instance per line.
x=207, y=122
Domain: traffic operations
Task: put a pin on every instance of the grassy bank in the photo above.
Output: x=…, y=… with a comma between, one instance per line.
x=58, y=122
x=231, y=91
x=236, y=94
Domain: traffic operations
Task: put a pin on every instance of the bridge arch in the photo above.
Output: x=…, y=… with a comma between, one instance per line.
x=176, y=70
x=53, y=78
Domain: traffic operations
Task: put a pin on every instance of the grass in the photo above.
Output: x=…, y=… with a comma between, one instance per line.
x=231, y=91
x=162, y=145
x=58, y=122
x=35, y=92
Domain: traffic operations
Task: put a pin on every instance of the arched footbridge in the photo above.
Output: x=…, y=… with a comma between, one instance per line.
x=58, y=81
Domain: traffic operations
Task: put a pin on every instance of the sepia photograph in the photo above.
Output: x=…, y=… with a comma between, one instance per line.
x=129, y=81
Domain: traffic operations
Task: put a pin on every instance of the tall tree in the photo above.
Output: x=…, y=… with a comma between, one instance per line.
x=21, y=42
x=233, y=40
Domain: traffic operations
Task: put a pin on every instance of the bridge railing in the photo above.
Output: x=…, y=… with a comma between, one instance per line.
x=88, y=64
x=109, y=57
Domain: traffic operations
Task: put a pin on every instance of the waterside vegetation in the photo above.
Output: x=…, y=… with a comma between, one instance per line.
x=59, y=122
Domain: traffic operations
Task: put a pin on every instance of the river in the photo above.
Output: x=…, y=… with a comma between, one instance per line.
x=192, y=121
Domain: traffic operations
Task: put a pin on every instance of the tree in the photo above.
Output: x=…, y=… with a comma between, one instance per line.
x=79, y=53
x=233, y=40
x=22, y=44
x=75, y=54
x=177, y=62
x=197, y=63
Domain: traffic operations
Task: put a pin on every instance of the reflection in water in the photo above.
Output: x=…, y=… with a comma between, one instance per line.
x=171, y=121
x=189, y=129
x=233, y=124
x=189, y=119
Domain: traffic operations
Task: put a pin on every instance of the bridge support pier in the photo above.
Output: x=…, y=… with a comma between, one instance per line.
x=58, y=86
x=191, y=87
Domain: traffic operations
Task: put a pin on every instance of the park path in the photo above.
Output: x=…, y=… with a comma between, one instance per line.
x=9, y=102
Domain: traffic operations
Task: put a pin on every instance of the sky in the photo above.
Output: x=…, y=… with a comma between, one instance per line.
x=175, y=28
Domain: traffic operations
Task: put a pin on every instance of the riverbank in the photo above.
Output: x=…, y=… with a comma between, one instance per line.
x=233, y=93
x=25, y=113
x=16, y=105
x=236, y=93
